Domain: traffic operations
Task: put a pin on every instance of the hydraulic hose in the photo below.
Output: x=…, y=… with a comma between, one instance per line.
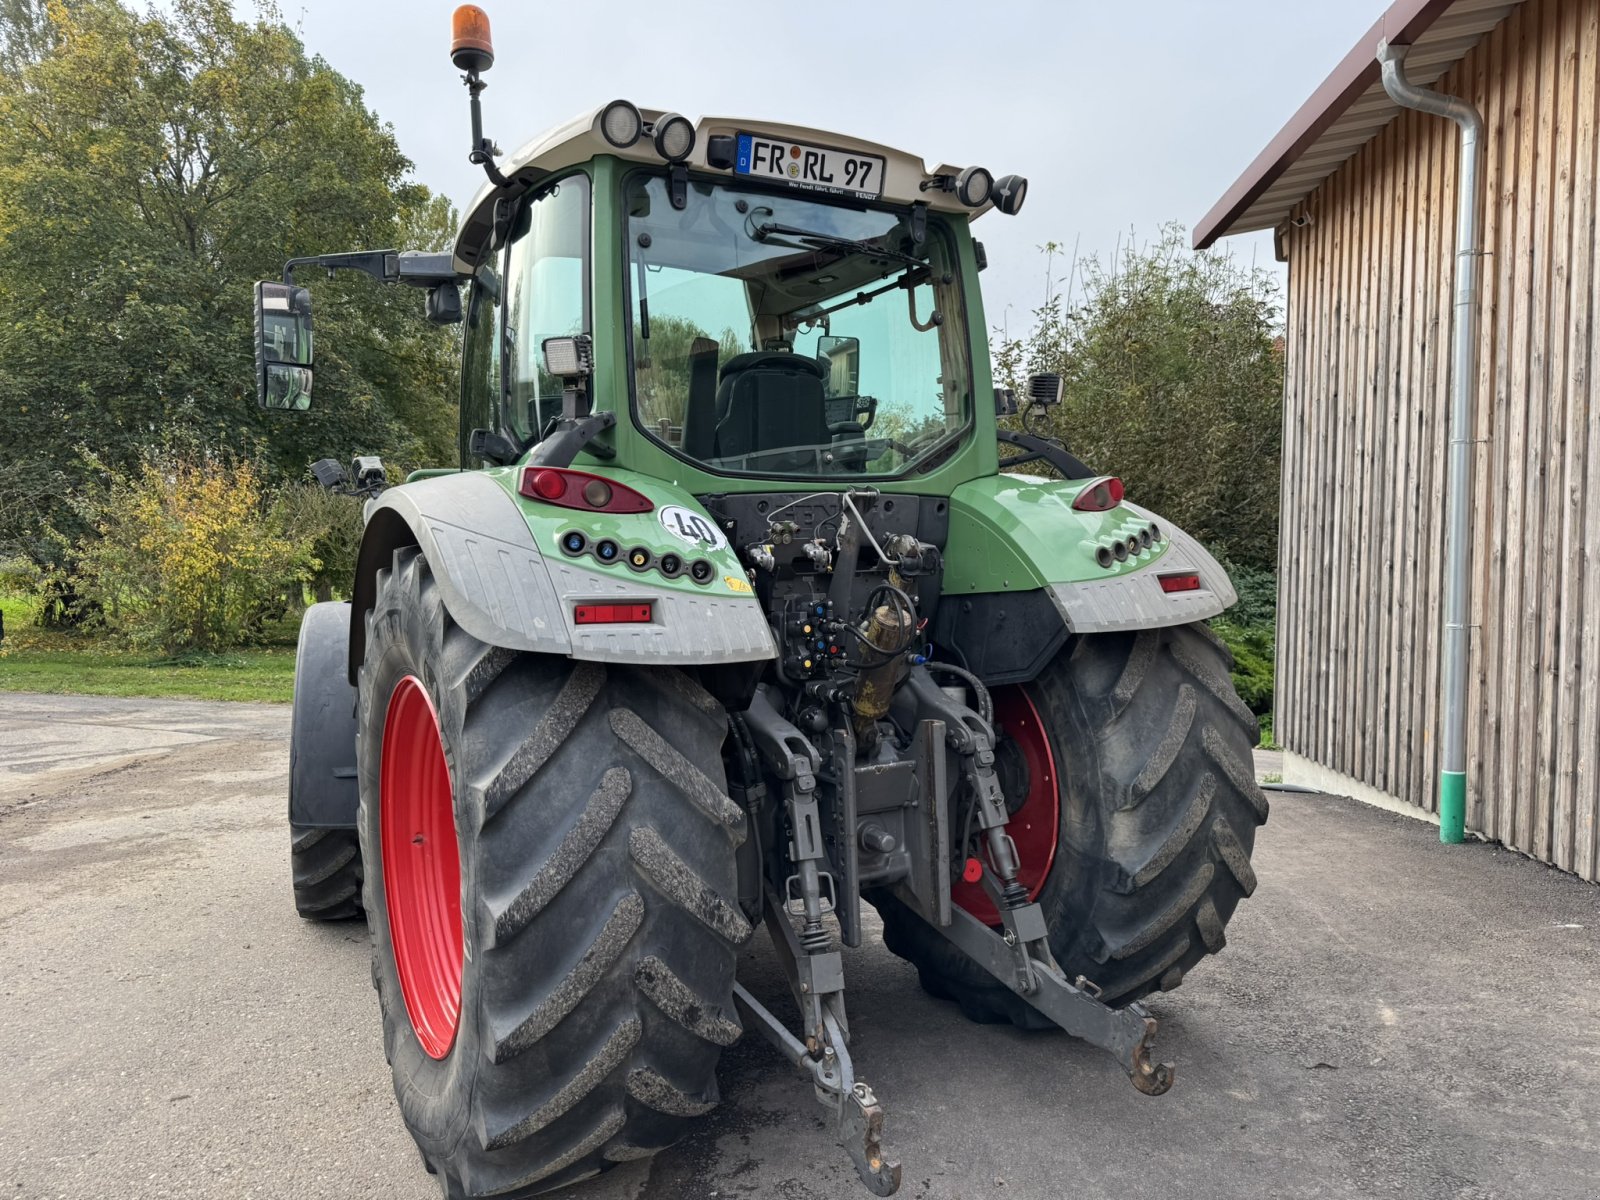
x=985, y=702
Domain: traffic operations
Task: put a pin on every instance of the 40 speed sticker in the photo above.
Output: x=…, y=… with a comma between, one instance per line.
x=692, y=527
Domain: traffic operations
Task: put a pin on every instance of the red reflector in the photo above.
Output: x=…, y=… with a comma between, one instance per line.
x=611, y=614
x=1099, y=495
x=1188, y=581
x=579, y=489
x=973, y=871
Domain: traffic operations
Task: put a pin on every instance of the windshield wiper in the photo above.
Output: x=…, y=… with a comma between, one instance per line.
x=830, y=241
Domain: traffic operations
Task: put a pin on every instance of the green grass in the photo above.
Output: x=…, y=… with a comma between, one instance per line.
x=242, y=675
x=37, y=660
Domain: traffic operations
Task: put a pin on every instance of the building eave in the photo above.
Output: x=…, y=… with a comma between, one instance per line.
x=1347, y=111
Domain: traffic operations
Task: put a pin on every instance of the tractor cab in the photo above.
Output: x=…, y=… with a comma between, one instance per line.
x=760, y=299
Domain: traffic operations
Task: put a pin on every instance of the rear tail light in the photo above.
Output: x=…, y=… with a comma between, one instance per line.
x=1099, y=495
x=612, y=614
x=581, y=490
x=1184, y=581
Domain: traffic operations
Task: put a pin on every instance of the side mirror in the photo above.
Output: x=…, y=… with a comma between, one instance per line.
x=283, y=347
x=840, y=360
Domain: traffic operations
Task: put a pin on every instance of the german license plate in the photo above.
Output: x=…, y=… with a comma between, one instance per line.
x=815, y=168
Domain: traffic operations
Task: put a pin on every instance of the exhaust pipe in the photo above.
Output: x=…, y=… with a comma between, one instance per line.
x=1464, y=379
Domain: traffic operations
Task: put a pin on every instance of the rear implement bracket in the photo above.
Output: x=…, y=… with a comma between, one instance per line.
x=1128, y=1033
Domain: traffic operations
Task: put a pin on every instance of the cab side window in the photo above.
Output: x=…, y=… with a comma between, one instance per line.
x=480, y=361
x=547, y=277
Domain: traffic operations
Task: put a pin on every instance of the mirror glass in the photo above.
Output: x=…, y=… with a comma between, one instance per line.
x=287, y=388
x=283, y=346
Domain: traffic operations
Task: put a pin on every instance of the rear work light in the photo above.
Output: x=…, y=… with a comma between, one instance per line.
x=581, y=490
x=612, y=614
x=1182, y=581
x=1099, y=495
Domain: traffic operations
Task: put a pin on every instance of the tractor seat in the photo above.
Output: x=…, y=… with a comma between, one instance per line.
x=769, y=403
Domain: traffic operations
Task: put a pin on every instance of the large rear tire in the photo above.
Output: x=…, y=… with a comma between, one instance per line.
x=1158, y=809
x=556, y=977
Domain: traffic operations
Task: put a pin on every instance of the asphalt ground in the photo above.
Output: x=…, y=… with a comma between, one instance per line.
x=1391, y=1018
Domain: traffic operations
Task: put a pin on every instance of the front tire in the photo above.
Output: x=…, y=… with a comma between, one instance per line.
x=1158, y=809
x=325, y=868
x=577, y=1018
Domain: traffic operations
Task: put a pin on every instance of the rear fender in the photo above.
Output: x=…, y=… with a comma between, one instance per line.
x=1023, y=569
x=501, y=585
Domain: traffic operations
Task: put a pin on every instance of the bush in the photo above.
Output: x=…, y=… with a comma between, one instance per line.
x=1250, y=629
x=1252, y=647
x=190, y=555
x=332, y=524
x=1173, y=374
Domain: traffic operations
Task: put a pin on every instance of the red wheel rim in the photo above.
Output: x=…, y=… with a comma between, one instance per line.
x=421, y=866
x=1035, y=826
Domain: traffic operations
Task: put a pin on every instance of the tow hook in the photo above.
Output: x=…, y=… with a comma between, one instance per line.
x=857, y=1112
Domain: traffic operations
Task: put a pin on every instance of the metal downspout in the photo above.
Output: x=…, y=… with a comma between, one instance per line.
x=1464, y=379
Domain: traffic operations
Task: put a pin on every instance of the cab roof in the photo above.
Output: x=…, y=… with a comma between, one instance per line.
x=580, y=139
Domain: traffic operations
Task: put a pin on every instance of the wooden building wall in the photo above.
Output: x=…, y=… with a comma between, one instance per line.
x=1364, y=450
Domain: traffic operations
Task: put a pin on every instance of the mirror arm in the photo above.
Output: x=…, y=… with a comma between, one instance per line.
x=382, y=265
x=1052, y=451
x=386, y=266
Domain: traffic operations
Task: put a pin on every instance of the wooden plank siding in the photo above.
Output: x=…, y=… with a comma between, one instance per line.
x=1368, y=321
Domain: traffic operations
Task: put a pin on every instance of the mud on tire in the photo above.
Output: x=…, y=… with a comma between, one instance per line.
x=1159, y=809
x=598, y=901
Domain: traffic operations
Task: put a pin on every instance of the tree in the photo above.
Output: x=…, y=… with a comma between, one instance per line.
x=152, y=167
x=1173, y=378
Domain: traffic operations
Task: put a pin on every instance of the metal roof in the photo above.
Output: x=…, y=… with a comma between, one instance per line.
x=1348, y=111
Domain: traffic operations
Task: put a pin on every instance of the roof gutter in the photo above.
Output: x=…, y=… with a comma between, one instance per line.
x=1464, y=378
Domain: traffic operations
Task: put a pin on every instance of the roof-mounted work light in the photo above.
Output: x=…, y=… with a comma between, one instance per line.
x=621, y=124
x=1008, y=193
x=973, y=186
x=674, y=137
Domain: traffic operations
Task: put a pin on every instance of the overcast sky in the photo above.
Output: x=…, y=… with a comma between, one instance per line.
x=1121, y=115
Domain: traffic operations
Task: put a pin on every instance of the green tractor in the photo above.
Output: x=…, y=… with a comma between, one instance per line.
x=735, y=613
